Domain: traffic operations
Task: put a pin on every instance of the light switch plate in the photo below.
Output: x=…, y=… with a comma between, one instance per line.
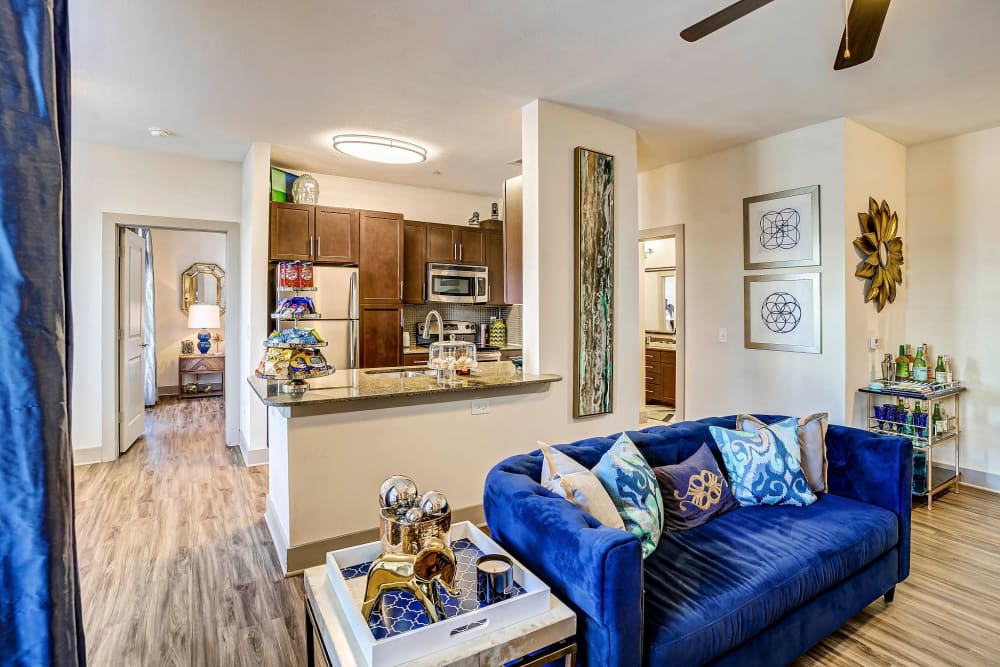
x=723, y=335
x=873, y=343
x=481, y=407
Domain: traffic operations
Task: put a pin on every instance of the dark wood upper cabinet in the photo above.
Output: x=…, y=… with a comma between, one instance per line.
x=291, y=231
x=441, y=243
x=414, y=260
x=471, y=246
x=494, y=262
x=336, y=235
x=381, y=336
x=380, y=260
x=513, y=239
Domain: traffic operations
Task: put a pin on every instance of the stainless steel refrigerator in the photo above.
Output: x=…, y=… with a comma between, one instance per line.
x=336, y=300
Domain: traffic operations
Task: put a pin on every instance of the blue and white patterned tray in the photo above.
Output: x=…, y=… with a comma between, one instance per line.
x=399, y=631
x=400, y=612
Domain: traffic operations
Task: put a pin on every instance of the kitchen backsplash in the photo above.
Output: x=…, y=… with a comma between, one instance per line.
x=456, y=311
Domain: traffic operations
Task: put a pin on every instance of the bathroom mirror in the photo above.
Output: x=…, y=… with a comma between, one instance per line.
x=203, y=282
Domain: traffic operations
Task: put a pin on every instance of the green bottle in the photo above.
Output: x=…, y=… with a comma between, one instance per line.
x=902, y=364
x=938, y=420
x=940, y=372
x=920, y=366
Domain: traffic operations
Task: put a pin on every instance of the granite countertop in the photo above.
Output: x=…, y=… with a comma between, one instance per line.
x=668, y=347
x=421, y=349
x=362, y=385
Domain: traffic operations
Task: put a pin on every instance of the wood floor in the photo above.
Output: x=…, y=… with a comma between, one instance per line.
x=177, y=567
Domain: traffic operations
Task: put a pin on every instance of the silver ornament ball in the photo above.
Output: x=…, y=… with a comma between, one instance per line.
x=414, y=515
x=397, y=491
x=434, y=502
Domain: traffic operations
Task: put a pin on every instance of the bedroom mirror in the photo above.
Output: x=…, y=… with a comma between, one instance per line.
x=203, y=282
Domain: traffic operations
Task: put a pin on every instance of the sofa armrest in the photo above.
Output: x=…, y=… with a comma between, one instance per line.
x=594, y=569
x=876, y=469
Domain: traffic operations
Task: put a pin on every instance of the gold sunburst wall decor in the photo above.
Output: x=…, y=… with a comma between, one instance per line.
x=883, y=252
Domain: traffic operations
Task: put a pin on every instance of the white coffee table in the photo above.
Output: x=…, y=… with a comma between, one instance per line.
x=554, y=630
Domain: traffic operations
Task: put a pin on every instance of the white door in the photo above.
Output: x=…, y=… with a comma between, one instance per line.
x=131, y=367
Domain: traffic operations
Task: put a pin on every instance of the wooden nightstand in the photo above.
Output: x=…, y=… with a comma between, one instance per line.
x=198, y=365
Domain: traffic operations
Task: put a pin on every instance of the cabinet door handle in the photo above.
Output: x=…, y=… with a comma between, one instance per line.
x=319, y=246
x=400, y=290
x=454, y=251
x=310, y=246
x=461, y=252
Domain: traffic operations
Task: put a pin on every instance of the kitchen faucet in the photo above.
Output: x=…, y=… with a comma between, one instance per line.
x=427, y=325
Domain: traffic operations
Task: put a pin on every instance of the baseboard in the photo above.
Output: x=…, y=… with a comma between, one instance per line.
x=277, y=534
x=296, y=559
x=987, y=481
x=252, y=457
x=167, y=391
x=87, y=455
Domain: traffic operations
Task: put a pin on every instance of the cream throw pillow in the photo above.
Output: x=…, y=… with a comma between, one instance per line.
x=812, y=444
x=566, y=478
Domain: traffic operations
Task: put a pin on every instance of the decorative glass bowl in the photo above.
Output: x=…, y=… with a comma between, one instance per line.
x=450, y=358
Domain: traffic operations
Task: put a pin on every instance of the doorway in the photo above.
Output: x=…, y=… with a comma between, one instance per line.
x=167, y=281
x=661, y=325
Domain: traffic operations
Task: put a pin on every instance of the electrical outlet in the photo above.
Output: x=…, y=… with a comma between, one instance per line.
x=723, y=335
x=481, y=407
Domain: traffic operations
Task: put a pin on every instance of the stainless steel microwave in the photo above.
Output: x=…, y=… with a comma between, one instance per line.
x=454, y=283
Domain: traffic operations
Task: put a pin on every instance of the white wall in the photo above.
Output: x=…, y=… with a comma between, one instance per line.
x=109, y=179
x=951, y=261
x=415, y=203
x=706, y=196
x=662, y=254
x=174, y=250
x=875, y=167
x=549, y=135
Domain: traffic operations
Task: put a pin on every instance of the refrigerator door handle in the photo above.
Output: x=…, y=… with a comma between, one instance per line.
x=352, y=295
x=352, y=353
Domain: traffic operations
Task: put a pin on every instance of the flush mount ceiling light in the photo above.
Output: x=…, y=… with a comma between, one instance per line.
x=379, y=149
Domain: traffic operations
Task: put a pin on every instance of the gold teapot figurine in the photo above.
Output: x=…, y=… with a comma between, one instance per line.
x=416, y=548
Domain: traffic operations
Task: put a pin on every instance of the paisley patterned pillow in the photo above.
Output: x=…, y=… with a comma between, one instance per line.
x=694, y=491
x=765, y=466
x=632, y=486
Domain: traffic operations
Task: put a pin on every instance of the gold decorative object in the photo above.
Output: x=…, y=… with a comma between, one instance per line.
x=203, y=282
x=883, y=252
x=416, y=548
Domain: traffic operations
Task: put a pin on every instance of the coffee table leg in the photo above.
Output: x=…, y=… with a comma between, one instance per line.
x=310, y=638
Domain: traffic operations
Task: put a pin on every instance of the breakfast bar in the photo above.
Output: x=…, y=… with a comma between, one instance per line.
x=331, y=447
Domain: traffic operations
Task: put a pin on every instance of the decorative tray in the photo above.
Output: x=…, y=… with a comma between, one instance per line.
x=399, y=630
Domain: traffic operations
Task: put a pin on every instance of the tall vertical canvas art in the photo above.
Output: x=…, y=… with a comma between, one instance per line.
x=593, y=315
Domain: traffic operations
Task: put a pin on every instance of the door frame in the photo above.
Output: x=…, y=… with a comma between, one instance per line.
x=675, y=232
x=110, y=304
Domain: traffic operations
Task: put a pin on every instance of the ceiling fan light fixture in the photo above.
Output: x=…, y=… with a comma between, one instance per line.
x=379, y=149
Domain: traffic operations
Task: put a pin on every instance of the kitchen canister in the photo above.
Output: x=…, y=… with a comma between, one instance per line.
x=498, y=332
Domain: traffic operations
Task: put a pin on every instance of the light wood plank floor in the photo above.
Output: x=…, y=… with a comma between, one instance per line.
x=177, y=567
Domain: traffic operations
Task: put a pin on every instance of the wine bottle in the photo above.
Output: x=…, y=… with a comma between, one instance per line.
x=920, y=366
x=940, y=372
x=902, y=364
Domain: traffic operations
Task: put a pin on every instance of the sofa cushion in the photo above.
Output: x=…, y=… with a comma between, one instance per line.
x=566, y=478
x=812, y=444
x=632, y=486
x=711, y=588
x=693, y=491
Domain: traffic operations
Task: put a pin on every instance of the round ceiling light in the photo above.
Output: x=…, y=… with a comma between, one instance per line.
x=379, y=149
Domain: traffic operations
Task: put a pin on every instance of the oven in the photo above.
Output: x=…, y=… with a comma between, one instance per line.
x=454, y=283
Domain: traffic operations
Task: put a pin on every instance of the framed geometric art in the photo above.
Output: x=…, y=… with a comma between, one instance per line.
x=783, y=312
x=594, y=282
x=781, y=229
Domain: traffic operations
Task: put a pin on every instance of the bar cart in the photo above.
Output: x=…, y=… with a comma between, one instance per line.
x=930, y=476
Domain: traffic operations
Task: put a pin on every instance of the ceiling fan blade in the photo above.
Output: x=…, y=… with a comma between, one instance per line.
x=865, y=23
x=721, y=19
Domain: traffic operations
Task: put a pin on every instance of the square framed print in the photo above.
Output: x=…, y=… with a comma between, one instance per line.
x=783, y=312
x=782, y=229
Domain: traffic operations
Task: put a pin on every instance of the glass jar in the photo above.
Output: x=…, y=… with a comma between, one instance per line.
x=450, y=358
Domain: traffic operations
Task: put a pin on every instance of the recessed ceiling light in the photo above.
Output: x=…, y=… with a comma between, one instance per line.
x=379, y=149
x=159, y=132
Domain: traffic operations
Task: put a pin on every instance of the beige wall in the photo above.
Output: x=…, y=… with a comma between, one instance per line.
x=706, y=196
x=952, y=280
x=173, y=252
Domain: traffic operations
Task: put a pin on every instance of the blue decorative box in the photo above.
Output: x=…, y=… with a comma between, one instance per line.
x=399, y=630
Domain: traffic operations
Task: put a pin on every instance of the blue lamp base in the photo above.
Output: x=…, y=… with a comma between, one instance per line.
x=204, y=341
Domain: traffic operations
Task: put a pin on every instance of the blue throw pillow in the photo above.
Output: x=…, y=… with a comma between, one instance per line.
x=632, y=486
x=765, y=467
x=694, y=491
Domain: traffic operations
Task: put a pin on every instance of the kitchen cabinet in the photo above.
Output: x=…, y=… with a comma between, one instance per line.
x=455, y=244
x=415, y=359
x=318, y=234
x=661, y=376
x=513, y=235
x=291, y=231
x=495, y=263
x=414, y=260
x=380, y=258
x=381, y=336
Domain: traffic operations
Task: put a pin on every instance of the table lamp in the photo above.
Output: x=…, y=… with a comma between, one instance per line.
x=203, y=316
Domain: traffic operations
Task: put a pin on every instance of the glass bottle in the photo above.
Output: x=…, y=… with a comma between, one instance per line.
x=938, y=420
x=902, y=365
x=920, y=366
x=940, y=373
x=949, y=370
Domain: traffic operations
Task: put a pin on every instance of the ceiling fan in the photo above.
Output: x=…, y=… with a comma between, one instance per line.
x=861, y=30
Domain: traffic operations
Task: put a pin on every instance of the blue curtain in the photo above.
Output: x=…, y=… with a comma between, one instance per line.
x=40, y=621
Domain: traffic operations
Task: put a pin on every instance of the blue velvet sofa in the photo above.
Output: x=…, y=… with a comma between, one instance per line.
x=755, y=586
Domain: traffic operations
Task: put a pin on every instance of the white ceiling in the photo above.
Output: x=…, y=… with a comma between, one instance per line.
x=453, y=74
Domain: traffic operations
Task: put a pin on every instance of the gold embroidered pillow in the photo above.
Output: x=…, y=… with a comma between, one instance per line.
x=694, y=491
x=566, y=478
x=812, y=444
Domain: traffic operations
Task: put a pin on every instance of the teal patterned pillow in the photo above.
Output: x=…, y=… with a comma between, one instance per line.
x=632, y=486
x=765, y=466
